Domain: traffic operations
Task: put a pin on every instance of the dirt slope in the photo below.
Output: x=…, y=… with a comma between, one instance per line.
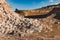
x=15, y=27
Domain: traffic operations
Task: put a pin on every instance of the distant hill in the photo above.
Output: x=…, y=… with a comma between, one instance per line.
x=41, y=12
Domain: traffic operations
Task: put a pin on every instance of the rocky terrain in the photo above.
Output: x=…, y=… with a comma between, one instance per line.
x=15, y=27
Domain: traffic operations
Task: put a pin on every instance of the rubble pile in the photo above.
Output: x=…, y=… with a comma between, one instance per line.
x=15, y=27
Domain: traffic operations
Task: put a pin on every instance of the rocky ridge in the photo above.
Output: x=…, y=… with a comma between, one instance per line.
x=15, y=27
x=44, y=11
